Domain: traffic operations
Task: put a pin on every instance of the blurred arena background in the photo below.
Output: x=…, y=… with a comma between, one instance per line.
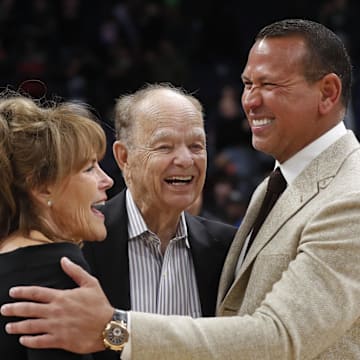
x=94, y=51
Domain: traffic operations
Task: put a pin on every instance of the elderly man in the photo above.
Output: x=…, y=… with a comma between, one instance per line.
x=290, y=287
x=157, y=258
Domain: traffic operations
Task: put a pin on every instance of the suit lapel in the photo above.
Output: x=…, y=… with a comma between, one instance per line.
x=290, y=202
x=208, y=253
x=306, y=186
x=202, y=255
x=114, y=266
x=227, y=276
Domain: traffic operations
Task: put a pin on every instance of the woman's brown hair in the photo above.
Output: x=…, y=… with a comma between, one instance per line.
x=40, y=144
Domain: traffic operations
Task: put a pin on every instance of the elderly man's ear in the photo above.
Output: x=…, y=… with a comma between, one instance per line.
x=120, y=154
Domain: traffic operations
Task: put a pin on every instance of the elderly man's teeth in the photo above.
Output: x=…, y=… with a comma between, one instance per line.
x=179, y=179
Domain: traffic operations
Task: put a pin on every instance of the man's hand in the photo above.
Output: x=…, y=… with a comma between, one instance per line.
x=68, y=319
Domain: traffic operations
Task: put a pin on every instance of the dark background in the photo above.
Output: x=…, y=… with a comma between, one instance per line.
x=94, y=51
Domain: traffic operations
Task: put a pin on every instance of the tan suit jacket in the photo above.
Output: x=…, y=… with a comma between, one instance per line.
x=297, y=295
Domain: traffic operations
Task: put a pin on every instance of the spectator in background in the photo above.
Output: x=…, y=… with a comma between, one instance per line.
x=342, y=18
x=241, y=167
x=227, y=125
x=197, y=209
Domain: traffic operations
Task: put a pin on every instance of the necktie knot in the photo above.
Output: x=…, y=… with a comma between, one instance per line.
x=277, y=182
x=276, y=185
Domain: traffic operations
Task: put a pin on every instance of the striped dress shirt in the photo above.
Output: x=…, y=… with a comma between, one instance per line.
x=163, y=284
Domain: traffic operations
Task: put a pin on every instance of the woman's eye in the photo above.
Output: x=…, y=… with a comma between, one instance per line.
x=90, y=168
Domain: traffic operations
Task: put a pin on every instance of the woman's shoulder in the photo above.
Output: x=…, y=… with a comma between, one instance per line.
x=41, y=263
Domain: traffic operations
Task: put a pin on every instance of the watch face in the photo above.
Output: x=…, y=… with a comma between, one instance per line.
x=115, y=335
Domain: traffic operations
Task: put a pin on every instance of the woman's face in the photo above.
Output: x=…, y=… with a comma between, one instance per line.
x=74, y=204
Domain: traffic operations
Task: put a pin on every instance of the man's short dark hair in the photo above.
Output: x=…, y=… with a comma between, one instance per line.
x=326, y=52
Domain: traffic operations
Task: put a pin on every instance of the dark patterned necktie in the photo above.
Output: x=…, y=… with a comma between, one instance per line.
x=275, y=188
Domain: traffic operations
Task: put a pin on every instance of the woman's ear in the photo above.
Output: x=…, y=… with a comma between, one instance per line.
x=330, y=88
x=43, y=195
x=120, y=154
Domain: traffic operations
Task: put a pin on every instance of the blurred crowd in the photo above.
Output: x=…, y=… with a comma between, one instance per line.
x=95, y=51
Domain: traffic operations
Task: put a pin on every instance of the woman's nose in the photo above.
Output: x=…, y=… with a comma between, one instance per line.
x=106, y=181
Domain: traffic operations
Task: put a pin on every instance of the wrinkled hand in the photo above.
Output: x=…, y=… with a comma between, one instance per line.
x=68, y=319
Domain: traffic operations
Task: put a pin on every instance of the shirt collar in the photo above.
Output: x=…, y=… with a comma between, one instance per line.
x=137, y=225
x=292, y=167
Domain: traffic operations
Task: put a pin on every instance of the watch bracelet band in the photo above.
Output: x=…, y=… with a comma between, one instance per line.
x=120, y=315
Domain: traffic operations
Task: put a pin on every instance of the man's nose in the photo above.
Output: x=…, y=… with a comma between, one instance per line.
x=251, y=98
x=184, y=157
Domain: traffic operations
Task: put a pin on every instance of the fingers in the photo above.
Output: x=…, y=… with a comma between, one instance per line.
x=76, y=272
x=45, y=341
x=38, y=333
x=33, y=293
x=46, y=295
x=51, y=341
x=28, y=309
x=29, y=326
x=24, y=309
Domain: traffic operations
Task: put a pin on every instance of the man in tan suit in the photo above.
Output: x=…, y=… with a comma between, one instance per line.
x=294, y=293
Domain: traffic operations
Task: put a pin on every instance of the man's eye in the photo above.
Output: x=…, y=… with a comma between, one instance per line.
x=269, y=85
x=163, y=147
x=247, y=84
x=197, y=147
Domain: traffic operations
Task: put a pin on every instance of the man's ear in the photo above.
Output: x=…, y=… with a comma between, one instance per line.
x=330, y=92
x=120, y=154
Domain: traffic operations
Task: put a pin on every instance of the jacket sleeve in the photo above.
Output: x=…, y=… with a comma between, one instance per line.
x=313, y=305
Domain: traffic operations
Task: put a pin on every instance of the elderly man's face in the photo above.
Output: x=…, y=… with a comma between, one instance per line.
x=166, y=171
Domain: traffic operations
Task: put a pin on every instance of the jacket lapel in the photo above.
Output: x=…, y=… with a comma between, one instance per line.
x=204, y=257
x=113, y=260
x=228, y=273
x=306, y=186
x=290, y=202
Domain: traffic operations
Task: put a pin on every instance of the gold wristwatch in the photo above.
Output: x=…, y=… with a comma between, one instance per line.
x=115, y=334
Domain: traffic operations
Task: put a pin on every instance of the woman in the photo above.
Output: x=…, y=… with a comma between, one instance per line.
x=51, y=186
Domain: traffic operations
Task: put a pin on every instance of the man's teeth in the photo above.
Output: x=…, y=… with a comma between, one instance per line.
x=261, y=122
x=180, y=179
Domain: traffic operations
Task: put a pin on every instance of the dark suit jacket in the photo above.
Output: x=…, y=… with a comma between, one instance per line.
x=209, y=243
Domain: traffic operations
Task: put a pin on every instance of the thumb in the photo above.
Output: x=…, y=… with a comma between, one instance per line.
x=76, y=272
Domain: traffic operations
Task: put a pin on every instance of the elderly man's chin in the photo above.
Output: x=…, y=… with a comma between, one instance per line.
x=181, y=201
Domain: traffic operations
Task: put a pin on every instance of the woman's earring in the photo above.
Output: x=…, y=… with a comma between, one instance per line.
x=49, y=203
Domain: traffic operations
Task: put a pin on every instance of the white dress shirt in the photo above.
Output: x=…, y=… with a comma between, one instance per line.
x=160, y=283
